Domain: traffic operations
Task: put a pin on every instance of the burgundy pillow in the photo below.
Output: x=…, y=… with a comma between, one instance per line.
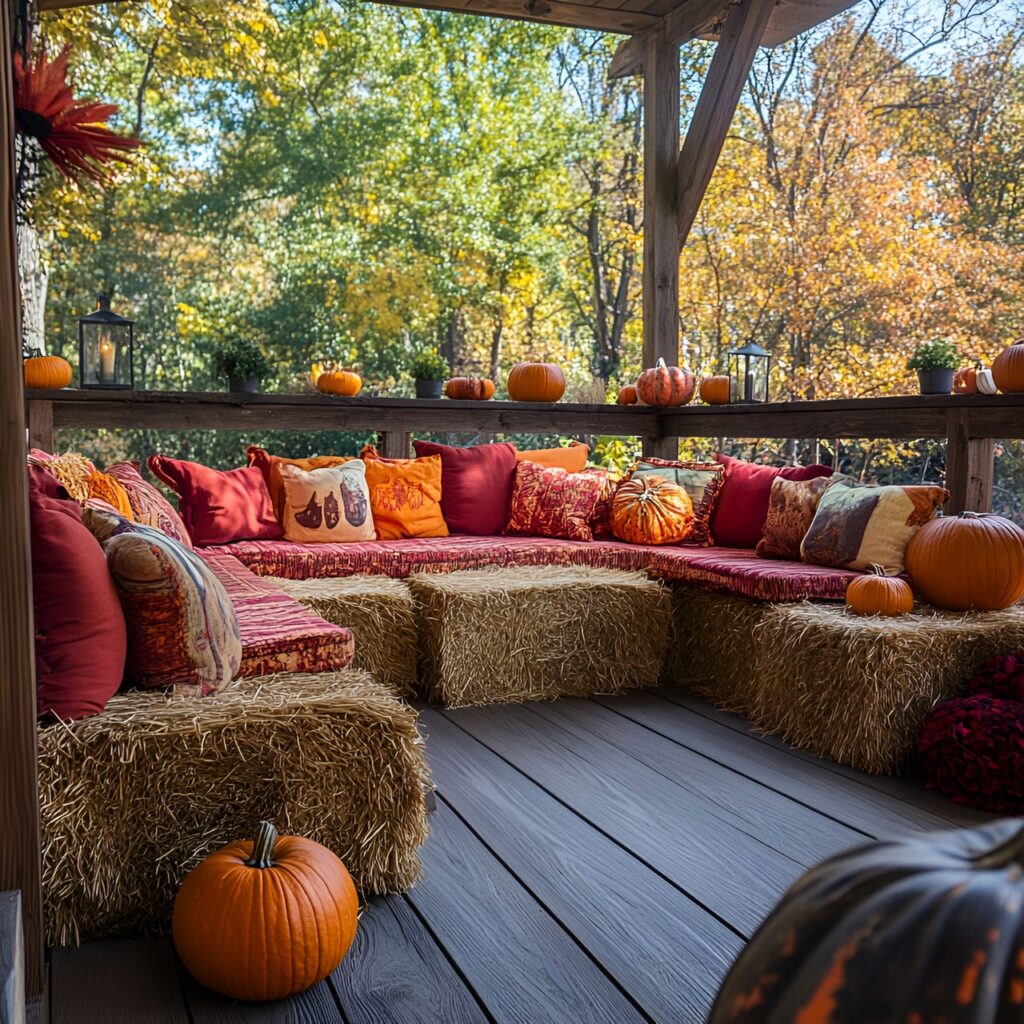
x=739, y=515
x=219, y=506
x=476, y=485
x=81, y=639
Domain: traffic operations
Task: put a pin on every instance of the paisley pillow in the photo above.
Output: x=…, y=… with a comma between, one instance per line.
x=326, y=505
x=149, y=506
x=791, y=508
x=547, y=501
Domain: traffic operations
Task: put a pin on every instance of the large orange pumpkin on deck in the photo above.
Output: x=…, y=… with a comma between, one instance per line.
x=473, y=389
x=917, y=931
x=1008, y=369
x=649, y=509
x=47, y=373
x=665, y=386
x=265, y=919
x=536, y=382
x=969, y=562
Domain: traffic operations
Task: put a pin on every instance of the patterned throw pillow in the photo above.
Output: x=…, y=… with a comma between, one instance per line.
x=405, y=497
x=548, y=501
x=182, y=628
x=601, y=518
x=791, y=509
x=327, y=505
x=149, y=506
x=702, y=482
x=856, y=527
x=269, y=465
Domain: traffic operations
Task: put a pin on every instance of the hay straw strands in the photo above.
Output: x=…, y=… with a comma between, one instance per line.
x=134, y=797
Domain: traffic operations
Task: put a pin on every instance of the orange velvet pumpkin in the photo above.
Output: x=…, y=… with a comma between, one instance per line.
x=878, y=594
x=965, y=381
x=340, y=382
x=265, y=919
x=665, y=386
x=970, y=562
x=649, y=509
x=474, y=389
x=536, y=382
x=715, y=390
x=47, y=373
x=1008, y=369
x=627, y=395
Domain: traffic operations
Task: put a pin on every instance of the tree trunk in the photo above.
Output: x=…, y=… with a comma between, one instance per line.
x=496, y=337
x=33, y=280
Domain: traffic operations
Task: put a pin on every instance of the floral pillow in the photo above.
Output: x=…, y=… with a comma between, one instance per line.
x=548, y=501
x=326, y=505
x=791, y=508
x=702, y=482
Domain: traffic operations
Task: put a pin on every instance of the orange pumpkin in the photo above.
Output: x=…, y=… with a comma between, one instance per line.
x=47, y=373
x=965, y=381
x=878, y=594
x=536, y=382
x=474, y=389
x=664, y=385
x=970, y=562
x=1008, y=369
x=649, y=509
x=715, y=390
x=627, y=395
x=265, y=919
x=340, y=382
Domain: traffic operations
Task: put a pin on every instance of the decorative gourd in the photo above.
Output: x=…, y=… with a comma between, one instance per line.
x=878, y=594
x=536, y=382
x=265, y=919
x=340, y=382
x=47, y=373
x=627, y=395
x=923, y=929
x=985, y=383
x=715, y=390
x=1008, y=369
x=474, y=389
x=970, y=562
x=648, y=509
x=665, y=386
x=965, y=381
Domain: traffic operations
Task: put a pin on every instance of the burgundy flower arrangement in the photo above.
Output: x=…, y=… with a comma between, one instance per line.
x=971, y=748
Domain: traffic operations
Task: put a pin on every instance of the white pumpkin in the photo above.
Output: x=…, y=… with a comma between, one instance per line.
x=986, y=383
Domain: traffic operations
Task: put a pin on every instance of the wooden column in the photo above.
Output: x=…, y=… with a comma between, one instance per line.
x=19, y=800
x=661, y=247
x=40, y=425
x=395, y=444
x=970, y=466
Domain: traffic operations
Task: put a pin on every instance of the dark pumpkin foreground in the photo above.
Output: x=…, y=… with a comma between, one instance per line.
x=918, y=931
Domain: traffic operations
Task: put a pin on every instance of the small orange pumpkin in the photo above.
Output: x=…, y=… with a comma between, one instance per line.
x=536, y=382
x=474, y=389
x=1008, y=369
x=715, y=390
x=627, y=395
x=665, y=385
x=878, y=594
x=648, y=509
x=47, y=373
x=340, y=382
x=965, y=381
x=267, y=918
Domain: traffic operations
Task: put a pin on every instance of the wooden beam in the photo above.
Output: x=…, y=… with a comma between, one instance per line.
x=40, y=425
x=19, y=795
x=716, y=105
x=970, y=466
x=395, y=444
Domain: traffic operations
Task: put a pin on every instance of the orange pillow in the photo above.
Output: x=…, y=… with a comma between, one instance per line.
x=572, y=459
x=268, y=465
x=405, y=497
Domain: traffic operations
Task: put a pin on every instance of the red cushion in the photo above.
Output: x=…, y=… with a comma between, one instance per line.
x=219, y=506
x=81, y=639
x=742, y=508
x=476, y=485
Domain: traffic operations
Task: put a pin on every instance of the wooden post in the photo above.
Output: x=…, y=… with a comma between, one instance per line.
x=661, y=248
x=19, y=794
x=395, y=444
x=970, y=466
x=12, y=960
x=40, y=425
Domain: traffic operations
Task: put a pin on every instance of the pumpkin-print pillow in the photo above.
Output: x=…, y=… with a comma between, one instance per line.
x=702, y=482
x=326, y=505
x=548, y=501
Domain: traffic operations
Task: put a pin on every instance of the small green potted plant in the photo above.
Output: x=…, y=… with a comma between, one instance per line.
x=429, y=370
x=243, y=363
x=935, y=361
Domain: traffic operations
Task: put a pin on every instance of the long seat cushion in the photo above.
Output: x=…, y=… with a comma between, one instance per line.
x=733, y=570
x=278, y=633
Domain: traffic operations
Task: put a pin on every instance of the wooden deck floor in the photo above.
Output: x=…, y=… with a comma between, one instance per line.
x=590, y=861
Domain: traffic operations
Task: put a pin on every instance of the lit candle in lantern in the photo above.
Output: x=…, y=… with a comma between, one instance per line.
x=106, y=360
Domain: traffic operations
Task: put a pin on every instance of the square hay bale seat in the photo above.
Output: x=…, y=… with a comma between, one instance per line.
x=379, y=611
x=534, y=633
x=134, y=797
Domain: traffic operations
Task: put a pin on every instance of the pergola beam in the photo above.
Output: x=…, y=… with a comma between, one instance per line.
x=679, y=26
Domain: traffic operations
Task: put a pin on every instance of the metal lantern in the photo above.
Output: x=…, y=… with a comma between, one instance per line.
x=748, y=373
x=105, y=355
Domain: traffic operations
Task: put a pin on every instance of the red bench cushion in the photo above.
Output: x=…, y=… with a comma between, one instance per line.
x=735, y=570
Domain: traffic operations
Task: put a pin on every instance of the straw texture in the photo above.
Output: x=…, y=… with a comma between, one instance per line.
x=136, y=796
x=379, y=611
x=535, y=633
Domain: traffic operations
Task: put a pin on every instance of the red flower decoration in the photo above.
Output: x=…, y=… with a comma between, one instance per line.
x=71, y=132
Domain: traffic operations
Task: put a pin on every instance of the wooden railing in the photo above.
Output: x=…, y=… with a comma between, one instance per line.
x=969, y=423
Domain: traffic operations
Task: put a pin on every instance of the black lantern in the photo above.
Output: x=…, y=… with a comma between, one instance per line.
x=105, y=357
x=748, y=373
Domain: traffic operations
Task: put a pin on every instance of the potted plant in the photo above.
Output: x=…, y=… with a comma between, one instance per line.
x=429, y=370
x=243, y=363
x=935, y=361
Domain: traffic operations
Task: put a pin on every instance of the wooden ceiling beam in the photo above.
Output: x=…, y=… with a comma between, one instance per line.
x=680, y=25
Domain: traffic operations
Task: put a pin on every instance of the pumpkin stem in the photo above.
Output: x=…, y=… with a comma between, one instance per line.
x=263, y=846
x=876, y=570
x=975, y=515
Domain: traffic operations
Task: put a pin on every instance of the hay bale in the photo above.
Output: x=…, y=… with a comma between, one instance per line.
x=379, y=611
x=134, y=797
x=855, y=689
x=534, y=633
